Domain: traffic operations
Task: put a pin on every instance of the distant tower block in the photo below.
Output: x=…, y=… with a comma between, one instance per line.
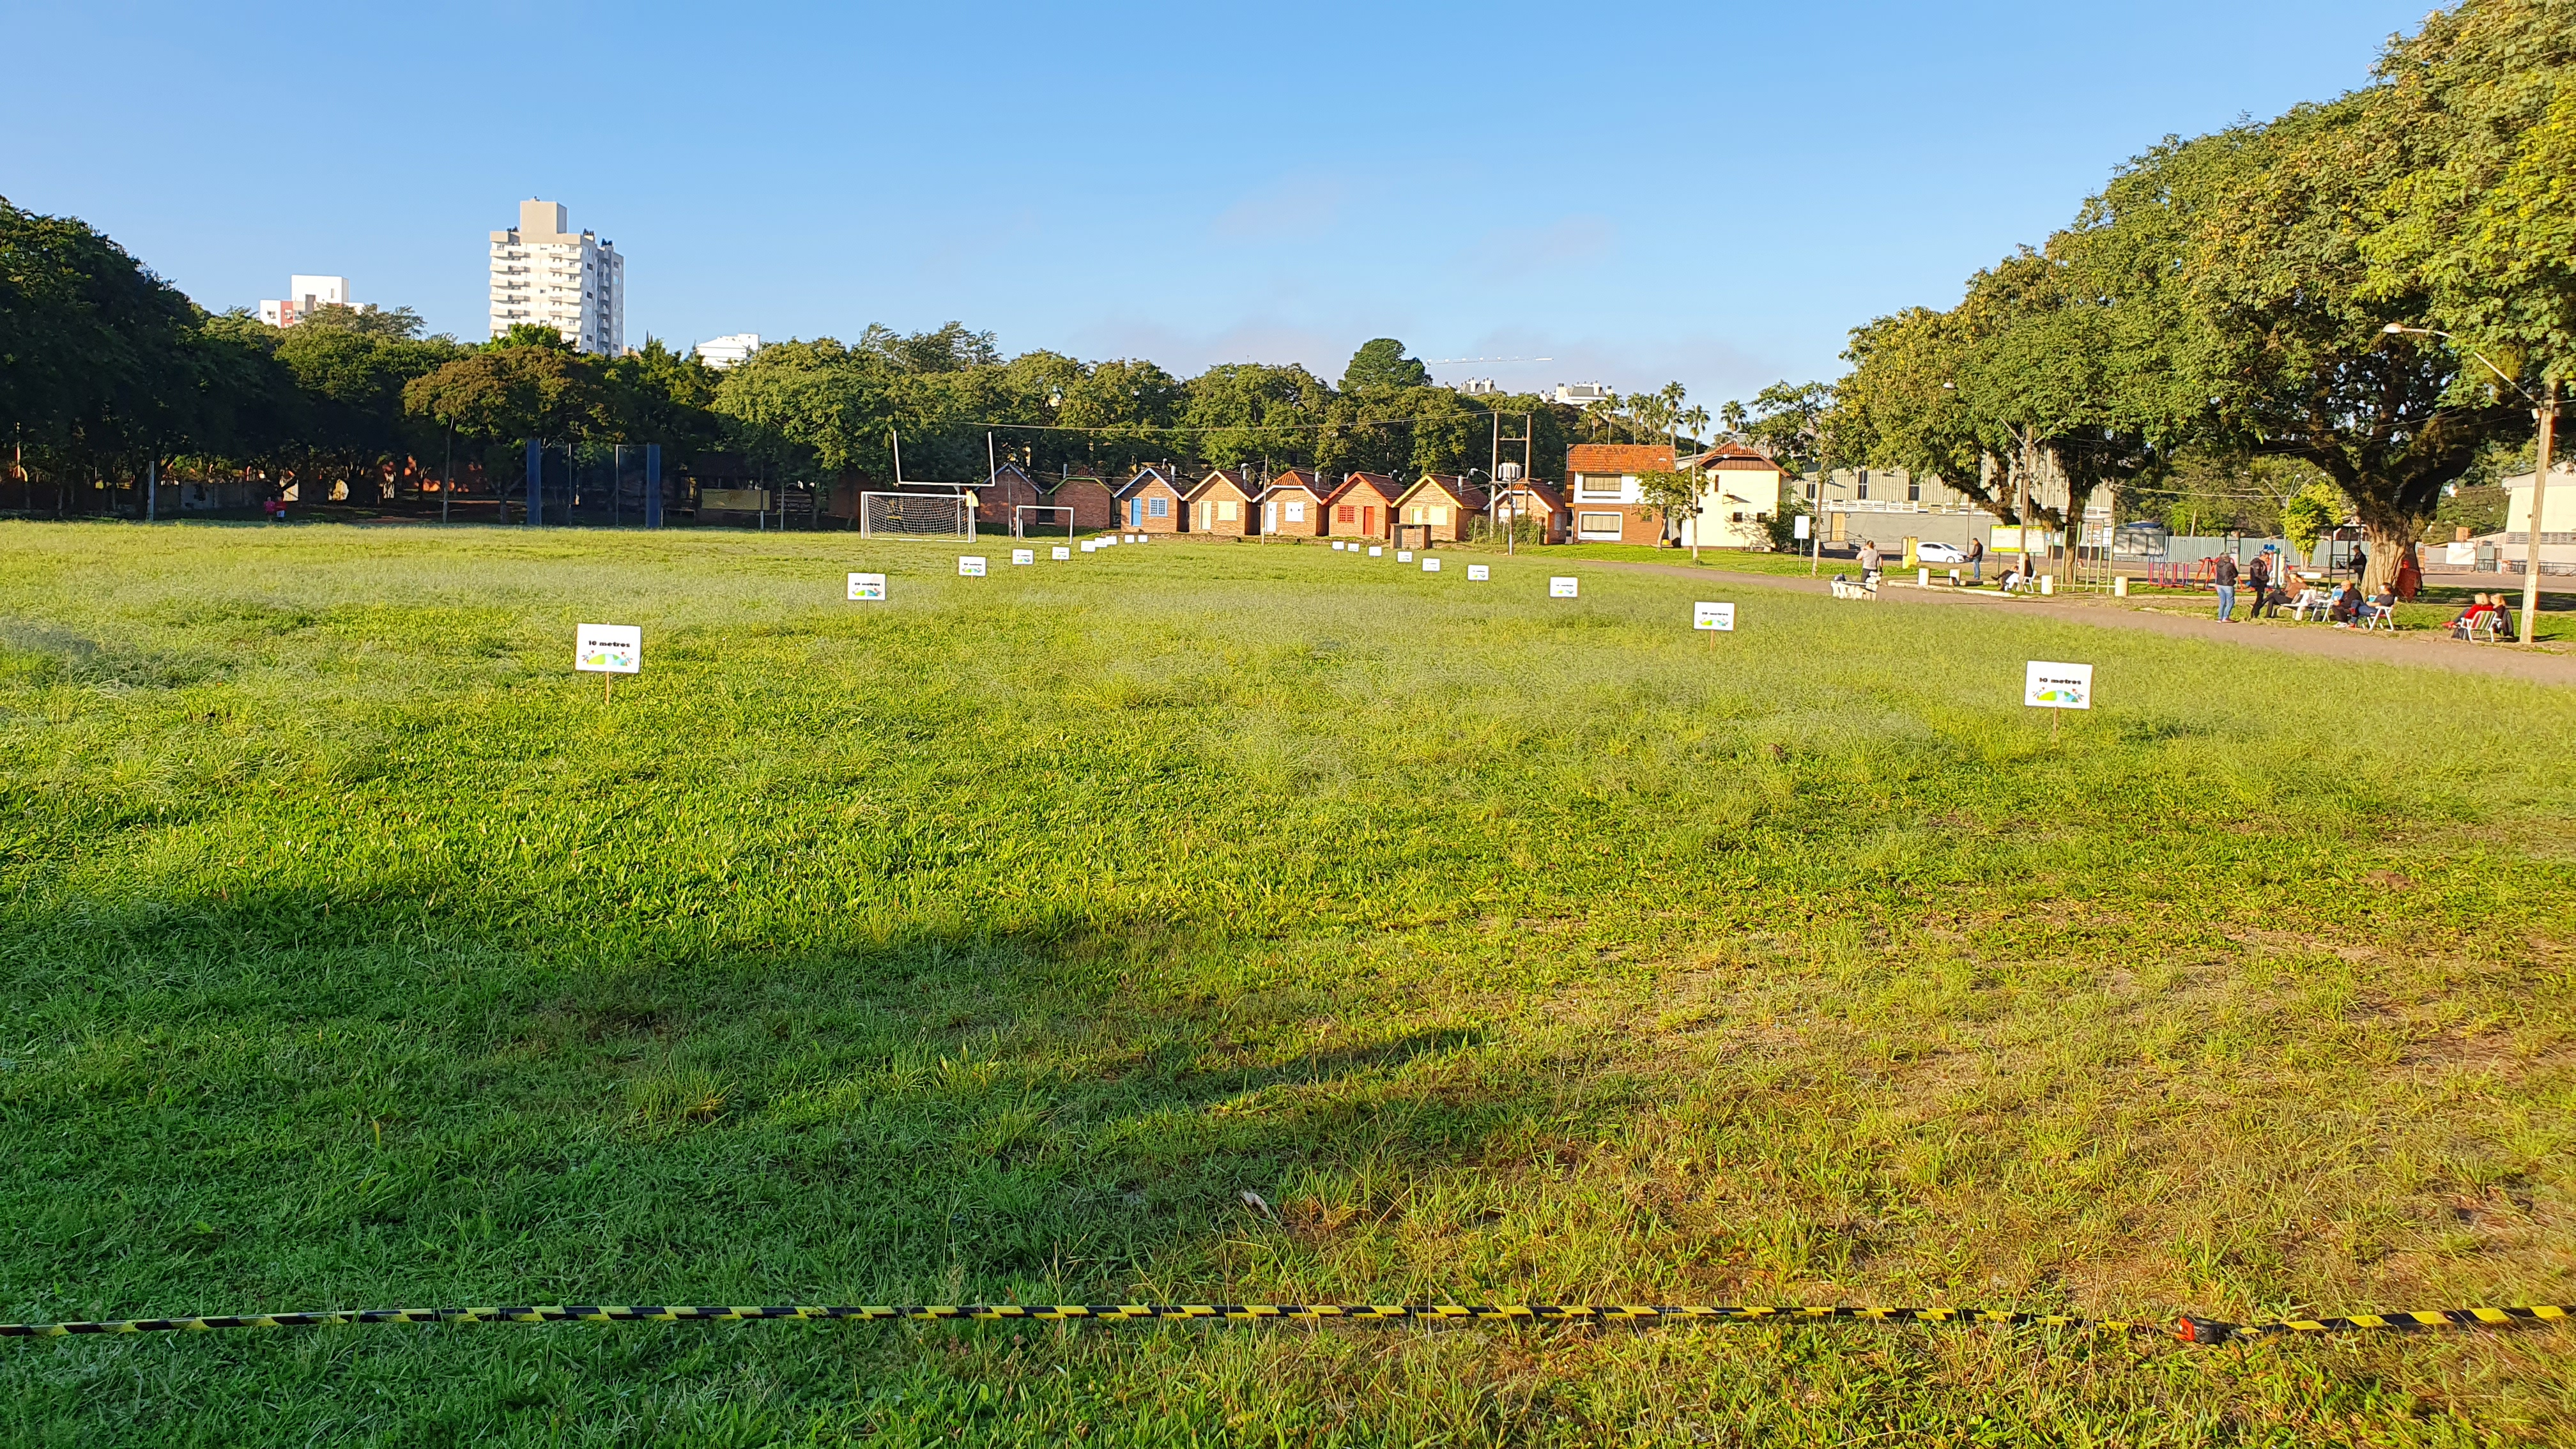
x=546, y=274
x=304, y=296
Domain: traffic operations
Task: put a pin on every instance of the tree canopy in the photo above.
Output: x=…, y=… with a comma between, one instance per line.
x=2232, y=296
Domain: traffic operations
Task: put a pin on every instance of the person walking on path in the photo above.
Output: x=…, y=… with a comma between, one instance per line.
x=2258, y=577
x=2223, y=574
x=1976, y=563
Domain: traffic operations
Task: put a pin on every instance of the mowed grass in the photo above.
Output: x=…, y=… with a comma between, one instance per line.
x=990, y=943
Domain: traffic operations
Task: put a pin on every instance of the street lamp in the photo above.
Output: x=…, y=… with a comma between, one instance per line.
x=2546, y=411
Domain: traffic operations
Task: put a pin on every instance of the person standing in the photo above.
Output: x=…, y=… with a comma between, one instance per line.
x=1976, y=562
x=1871, y=565
x=2223, y=574
x=2258, y=577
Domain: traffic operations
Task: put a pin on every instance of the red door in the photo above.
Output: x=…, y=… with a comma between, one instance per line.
x=1368, y=521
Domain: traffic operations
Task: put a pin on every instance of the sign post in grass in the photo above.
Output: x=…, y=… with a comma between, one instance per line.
x=867, y=588
x=1714, y=619
x=608, y=650
x=2056, y=687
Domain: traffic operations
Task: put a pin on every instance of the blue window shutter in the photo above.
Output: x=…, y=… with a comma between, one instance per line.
x=1135, y=512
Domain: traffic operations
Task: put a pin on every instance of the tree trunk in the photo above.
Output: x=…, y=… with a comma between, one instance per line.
x=2389, y=537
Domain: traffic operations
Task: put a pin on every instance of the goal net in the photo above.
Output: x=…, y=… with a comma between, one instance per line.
x=915, y=515
x=1035, y=518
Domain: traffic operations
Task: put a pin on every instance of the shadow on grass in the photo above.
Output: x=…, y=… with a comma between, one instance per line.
x=279, y=1099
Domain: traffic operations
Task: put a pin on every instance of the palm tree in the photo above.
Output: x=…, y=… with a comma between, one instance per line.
x=1601, y=409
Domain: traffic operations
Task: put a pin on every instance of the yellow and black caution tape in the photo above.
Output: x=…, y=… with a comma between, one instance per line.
x=2189, y=1329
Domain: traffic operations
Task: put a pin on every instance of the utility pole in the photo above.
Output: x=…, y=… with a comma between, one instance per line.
x=2548, y=413
x=447, y=485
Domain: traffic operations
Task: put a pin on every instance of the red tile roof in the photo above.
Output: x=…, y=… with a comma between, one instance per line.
x=1602, y=458
x=1735, y=455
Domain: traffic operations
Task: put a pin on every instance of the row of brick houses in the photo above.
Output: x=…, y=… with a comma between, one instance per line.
x=1232, y=503
x=1740, y=490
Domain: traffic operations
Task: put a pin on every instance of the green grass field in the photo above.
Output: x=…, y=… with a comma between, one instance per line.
x=990, y=942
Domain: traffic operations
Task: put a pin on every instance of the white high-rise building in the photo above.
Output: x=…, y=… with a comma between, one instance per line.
x=304, y=296
x=544, y=273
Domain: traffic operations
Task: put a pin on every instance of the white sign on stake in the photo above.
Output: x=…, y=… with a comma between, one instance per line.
x=1806, y=527
x=867, y=587
x=2047, y=685
x=1560, y=587
x=608, y=648
x=970, y=566
x=1478, y=573
x=1431, y=565
x=1720, y=617
x=1404, y=555
x=1377, y=550
x=1337, y=545
x=1024, y=555
x=1090, y=546
x=1060, y=552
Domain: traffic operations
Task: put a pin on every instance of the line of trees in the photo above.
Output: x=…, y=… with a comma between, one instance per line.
x=826, y=407
x=2245, y=303
x=106, y=370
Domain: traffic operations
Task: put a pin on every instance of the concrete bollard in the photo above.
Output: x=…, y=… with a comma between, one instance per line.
x=2120, y=586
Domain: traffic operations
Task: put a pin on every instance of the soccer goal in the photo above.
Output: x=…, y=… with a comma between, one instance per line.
x=1030, y=519
x=916, y=515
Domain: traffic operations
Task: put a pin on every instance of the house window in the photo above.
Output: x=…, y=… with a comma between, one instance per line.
x=1413, y=515
x=1597, y=523
x=1296, y=510
x=1913, y=491
x=1861, y=491
x=1158, y=508
x=1225, y=511
x=1811, y=490
x=1347, y=513
x=1440, y=513
x=1597, y=485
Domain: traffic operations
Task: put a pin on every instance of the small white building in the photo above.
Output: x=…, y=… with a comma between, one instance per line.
x=1739, y=491
x=304, y=296
x=724, y=352
x=2557, y=522
x=546, y=274
x=1579, y=393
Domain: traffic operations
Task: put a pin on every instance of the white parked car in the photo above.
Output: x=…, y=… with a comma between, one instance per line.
x=1940, y=553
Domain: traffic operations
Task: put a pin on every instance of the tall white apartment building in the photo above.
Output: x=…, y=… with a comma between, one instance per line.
x=544, y=273
x=304, y=296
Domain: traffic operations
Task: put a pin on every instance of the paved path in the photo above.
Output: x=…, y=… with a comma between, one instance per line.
x=2538, y=664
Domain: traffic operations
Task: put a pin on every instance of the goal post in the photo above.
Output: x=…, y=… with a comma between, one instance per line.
x=916, y=515
x=1028, y=518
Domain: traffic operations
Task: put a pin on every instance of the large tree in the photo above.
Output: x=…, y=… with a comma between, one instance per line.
x=94, y=356
x=1381, y=363
x=2245, y=248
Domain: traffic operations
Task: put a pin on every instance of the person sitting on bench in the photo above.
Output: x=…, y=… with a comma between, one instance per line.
x=2474, y=617
x=2346, y=608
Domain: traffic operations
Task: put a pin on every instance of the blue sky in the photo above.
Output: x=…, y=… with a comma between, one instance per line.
x=1711, y=192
